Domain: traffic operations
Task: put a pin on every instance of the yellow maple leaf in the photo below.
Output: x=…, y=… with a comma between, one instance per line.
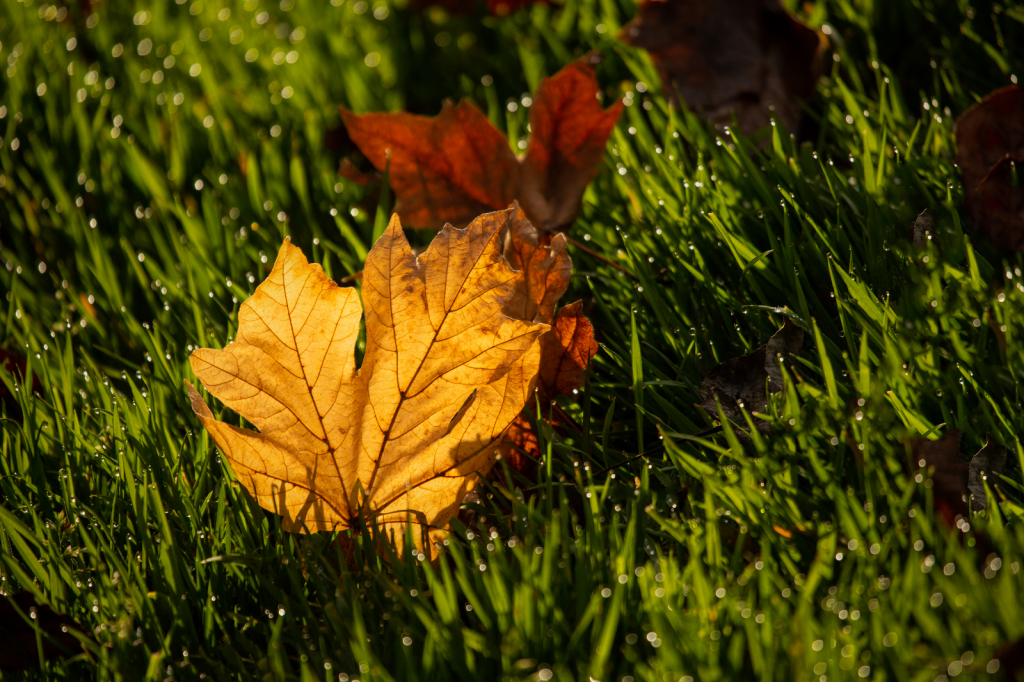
x=402, y=437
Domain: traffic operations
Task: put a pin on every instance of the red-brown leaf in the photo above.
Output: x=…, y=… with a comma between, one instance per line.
x=731, y=57
x=566, y=350
x=987, y=132
x=569, y=133
x=456, y=165
x=949, y=474
x=998, y=202
x=520, y=448
x=445, y=169
x=989, y=141
x=545, y=266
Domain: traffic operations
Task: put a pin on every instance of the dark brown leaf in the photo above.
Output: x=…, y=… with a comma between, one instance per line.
x=731, y=57
x=742, y=382
x=18, y=649
x=1011, y=659
x=948, y=472
x=998, y=205
x=14, y=364
x=991, y=459
x=988, y=134
x=922, y=228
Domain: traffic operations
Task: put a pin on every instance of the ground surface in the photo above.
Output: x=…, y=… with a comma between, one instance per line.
x=128, y=232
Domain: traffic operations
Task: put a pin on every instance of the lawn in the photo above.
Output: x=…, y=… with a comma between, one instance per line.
x=155, y=154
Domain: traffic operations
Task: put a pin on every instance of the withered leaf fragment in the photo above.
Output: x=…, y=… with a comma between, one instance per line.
x=922, y=228
x=999, y=204
x=989, y=144
x=520, y=449
x=19, y=615
x=742, y=382
x=546, y=267
x=403, y=436
x=949, y=472
x=565, y=353
x=544, y=263
x=450, y=168
x=991, y=459
x=731, y=57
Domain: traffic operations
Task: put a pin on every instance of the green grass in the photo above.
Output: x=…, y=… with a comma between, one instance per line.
x=815, y=553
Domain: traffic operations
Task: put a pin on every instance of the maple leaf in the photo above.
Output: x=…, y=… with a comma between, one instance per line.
x=449, y=168
x=403, y=436
x=741, y=382
x=989, y=146
x=731, y=57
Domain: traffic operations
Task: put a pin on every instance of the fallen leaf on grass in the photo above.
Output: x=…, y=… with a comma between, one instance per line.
x=18, y=646
x=742, y=382
x=922, y=228
x=953, y=478
x=520, y=449
x=565, y=353
x=949, y=473
x=452, y=167
x=999, y=202
x=991, y=459
x=545, y=265
x=404, y=436
x=567, y=348
x=725, y=58
x=14, y=364
x=989, y=136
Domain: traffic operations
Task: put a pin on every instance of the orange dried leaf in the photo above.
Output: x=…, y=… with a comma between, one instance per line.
x=451, y=167
x=731, y=57
x=566, y=351
x=403, y=436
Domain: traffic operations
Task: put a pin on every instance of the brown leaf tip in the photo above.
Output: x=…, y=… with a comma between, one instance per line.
x=199, y=405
